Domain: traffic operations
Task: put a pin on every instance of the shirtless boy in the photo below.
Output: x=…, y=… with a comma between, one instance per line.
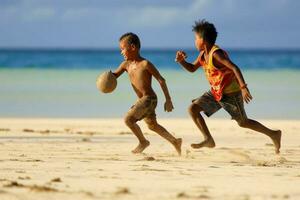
x=140, y=73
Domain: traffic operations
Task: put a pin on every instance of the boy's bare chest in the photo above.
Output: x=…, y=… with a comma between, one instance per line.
x=136, y=71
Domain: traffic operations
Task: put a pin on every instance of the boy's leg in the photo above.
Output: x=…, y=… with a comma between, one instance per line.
x=234, y=105
x=207, y=104
x=154, y=126
x=194, y=111
x=134, y=114
x=143, y=143
x=275, y=135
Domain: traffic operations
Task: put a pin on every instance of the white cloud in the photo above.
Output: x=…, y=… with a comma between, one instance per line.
x=39, y=14
x=77, y=13
x=156, y=16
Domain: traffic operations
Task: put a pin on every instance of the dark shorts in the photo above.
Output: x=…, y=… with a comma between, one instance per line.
x=232, y=103
x=144, y=108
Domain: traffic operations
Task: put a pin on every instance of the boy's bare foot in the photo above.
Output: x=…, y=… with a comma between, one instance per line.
x=177, y=144
x=141, y=147
x=276, y=138
x=210, y=143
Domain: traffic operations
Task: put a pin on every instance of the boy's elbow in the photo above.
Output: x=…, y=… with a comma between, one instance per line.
x=192, y=70
x=162, y=81
x=115, y=74
x=189, y=69
x=236, y=69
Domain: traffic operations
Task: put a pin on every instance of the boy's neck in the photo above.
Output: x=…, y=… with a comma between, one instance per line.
x=136, y=58
x=207, y=48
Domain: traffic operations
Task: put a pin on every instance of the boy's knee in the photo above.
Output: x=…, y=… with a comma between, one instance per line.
x=194, y=108
x=129, y=121
x=243, y=123
x=152, y=124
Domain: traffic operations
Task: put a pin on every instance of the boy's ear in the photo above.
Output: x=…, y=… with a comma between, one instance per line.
x=133, y=47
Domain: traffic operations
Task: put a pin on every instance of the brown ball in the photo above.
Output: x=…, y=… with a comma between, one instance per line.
x=106, y=82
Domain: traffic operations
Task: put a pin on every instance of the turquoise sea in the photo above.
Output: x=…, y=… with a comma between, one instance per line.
x=61, y=83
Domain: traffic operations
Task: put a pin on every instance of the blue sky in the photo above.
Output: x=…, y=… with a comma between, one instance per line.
x=159, y=23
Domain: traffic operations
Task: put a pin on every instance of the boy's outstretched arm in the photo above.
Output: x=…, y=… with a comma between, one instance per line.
x=220, y=59
x=180, y=58
x=119, y=71
x=162, y=82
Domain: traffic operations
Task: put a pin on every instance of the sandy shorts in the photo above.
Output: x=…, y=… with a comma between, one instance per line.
x=144, y=108
x=232, y=103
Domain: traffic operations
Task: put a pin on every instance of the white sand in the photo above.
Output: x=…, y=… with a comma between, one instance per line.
x=91, y=159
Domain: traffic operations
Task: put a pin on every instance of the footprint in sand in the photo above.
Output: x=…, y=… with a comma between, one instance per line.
x=28, y=130
x=44, y=131
x=186, y=196
x=86, y=140
x=269, y=144
x=67, y=130
x=31, y=187
x=42, y=188
x=264, y=164
x=4, y=129
x=33, y=160
x=87, y=193
x=20, y=171
x=182, y=195
x=203, y=196
x=2, y=192
x=56, y=180
x=86, y=133
x=124, y=133
x=122, y=191
x=37, y=188
x=24, y=178
x=13, y=184
x=203, y=188
x=149, y=158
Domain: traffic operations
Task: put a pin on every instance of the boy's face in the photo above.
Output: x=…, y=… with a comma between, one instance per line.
x=199, y=42
x=128, y=51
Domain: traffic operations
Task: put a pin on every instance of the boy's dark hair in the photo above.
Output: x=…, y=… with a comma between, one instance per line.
x=131, y=39
x=206, y=30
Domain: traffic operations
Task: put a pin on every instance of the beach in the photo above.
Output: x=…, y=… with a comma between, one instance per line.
x=63, y=138
x=60, y=138
x=74, y=158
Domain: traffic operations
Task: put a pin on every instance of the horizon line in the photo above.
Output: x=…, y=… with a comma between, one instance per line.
x=142, y=49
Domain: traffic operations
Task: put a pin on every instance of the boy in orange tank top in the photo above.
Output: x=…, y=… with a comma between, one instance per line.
x=228, y=87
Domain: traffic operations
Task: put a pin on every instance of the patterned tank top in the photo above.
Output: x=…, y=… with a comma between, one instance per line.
x=222, y=80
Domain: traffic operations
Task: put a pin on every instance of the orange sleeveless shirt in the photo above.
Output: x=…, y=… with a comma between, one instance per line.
x=222, y=80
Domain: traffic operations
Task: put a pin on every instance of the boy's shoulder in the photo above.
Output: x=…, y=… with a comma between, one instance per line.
x=219, y=53
x=124, y=64
x=146, y=63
